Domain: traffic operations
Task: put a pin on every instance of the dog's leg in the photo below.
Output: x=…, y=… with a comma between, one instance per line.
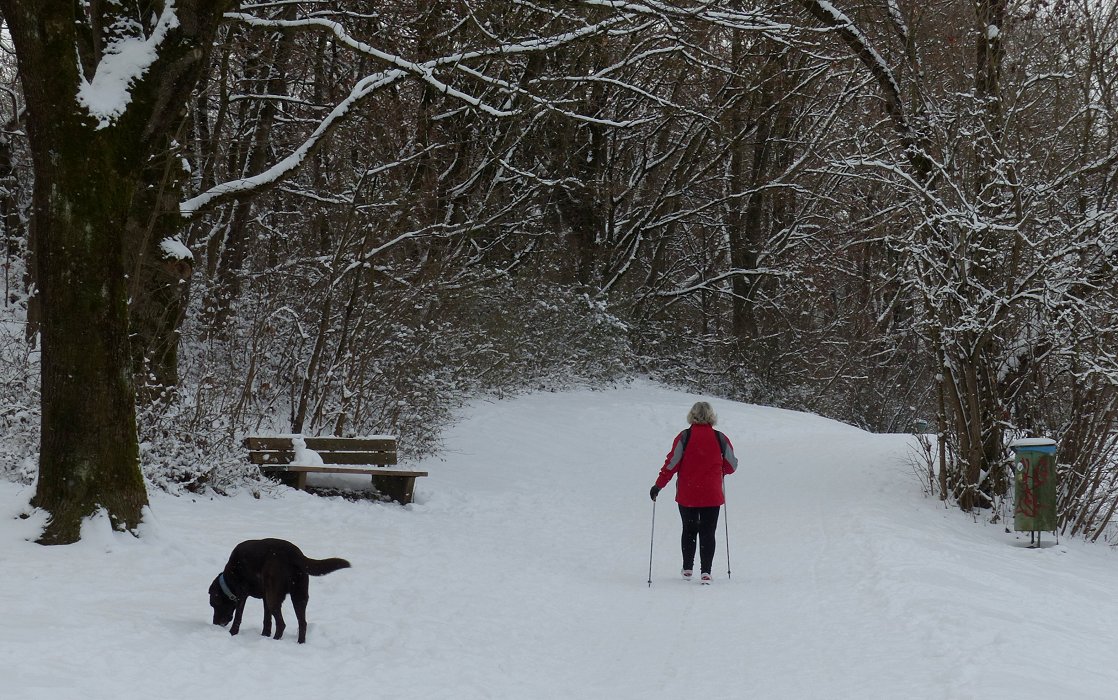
x=300, y=605
x=237, y=617
x=267, y=631
x=300, y=594
x=279, y=623
x=273, y=607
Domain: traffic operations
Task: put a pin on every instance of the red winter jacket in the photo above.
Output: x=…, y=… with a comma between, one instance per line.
x=700, y=468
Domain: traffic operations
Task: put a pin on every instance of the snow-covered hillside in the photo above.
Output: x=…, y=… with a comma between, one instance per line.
x=521, y=572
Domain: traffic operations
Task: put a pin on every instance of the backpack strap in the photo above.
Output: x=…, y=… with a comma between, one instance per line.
x=721, y=443
x=719, y=436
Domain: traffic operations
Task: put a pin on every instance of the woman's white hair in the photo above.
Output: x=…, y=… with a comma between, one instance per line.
x=701, y=414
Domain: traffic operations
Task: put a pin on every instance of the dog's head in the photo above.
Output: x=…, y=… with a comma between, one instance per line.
x=222, y=601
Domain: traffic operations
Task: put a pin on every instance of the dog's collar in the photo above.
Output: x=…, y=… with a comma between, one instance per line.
x=225, y=588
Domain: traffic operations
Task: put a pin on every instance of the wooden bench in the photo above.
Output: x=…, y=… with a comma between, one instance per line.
x=275, y=454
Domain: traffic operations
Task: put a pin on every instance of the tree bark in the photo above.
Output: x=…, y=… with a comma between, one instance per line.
x=88, y=170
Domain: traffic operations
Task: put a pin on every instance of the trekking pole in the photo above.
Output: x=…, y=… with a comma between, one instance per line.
x=726, y=523
x=650, y=541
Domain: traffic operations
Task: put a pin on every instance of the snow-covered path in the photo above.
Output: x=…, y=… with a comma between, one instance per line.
x=521, y=572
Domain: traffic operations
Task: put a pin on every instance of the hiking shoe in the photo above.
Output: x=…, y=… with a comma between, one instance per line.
x=686, y=574
x=706, y=579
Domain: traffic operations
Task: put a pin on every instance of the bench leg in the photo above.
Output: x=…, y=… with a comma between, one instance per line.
x=290, y=479
x=408, y=487
x=301, y=481
x=398, y=488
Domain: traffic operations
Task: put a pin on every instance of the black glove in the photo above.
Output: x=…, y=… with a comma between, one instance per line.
x=654, y=491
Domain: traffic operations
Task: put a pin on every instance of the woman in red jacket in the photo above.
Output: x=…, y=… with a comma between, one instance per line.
x=701, y=456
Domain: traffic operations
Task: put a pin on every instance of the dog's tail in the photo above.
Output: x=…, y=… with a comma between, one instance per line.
x=321, y=567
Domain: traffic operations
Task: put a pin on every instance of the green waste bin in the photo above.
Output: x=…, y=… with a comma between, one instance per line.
x=1034, y=479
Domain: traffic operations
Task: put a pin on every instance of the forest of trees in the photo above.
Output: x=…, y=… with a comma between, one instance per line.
x=344, y=217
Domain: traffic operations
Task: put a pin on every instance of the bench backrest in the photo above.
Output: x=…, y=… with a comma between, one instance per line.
x=273, y=449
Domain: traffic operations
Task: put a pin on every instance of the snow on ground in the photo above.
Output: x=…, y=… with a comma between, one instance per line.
x=521, y=572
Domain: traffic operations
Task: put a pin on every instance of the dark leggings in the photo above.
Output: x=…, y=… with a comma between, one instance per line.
x=699, y=524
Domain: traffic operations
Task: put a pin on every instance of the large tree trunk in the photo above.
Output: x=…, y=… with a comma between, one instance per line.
x=90, y=455
x=90, y=162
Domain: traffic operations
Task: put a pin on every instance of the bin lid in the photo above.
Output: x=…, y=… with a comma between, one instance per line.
x=1036, y=444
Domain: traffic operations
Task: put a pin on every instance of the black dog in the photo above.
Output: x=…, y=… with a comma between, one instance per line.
x=268, y=569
